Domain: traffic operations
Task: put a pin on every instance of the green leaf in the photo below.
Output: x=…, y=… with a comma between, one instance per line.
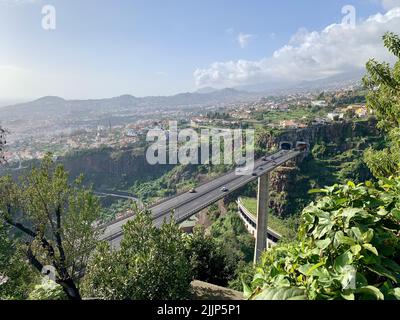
x=342, y=261
x=247, y=292
x=315, y=267
x=371, y=291
x=368, y=236
x=309, y=220
x=290, y=293
x=356, y=249
x=357, y=233
x=350, y=213
x=312, y=191
x=340, y=238
x=370, y=248
x=361, y=281
x=304, y=268
x=392, y=265
x=351, y=184
x=324, y=218
x=396, y=213
x=348, y=295
x=323, y=244
x=382, y=212
x=395, y=293
x=382, y=271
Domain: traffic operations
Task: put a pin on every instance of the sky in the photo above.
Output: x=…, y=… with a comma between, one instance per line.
x=105, y=48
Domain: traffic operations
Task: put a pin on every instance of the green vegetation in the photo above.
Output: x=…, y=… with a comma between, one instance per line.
x=54, y=218
x=232, y=237
x=47, y=290
x=151, y=264
x=286, y=227
x=305, y=114
x=219, y=254
x=208, y=262
x=179, y=179
x=175, y=180
x=383, y=98
x=328, y=164
x=348, y=248
x=348, y=245
x=16, y=276
x=110, y=213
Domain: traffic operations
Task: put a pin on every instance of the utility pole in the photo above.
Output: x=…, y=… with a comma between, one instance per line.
x=262, y=215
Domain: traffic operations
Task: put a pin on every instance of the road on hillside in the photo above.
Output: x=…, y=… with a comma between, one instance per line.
x=183, y=206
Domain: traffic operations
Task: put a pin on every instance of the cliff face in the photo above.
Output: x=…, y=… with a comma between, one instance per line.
x=290, y=183
x=107, y=169
x=335, y=132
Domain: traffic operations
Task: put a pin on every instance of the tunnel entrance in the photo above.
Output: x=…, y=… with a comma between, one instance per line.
x=302, y=146
x=285, y=145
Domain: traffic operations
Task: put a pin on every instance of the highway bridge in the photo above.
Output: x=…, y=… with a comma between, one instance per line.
x=183, y=206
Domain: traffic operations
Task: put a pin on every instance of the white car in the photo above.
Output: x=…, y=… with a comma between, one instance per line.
x=224, y=189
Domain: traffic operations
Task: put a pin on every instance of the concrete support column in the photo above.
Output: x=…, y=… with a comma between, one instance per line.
x=262, y=215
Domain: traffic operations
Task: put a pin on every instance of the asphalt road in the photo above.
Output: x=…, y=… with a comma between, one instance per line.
x=183, y=206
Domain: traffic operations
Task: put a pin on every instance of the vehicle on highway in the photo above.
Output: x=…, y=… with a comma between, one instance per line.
x=224, y=189
x=193, y=190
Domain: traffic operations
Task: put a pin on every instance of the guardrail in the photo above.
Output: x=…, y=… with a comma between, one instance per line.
x=265, y=167
x=246, y=214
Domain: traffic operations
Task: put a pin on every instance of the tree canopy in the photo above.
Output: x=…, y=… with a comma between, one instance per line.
x=383, y=83
x=348, y=248
x=150, y=264
x=16, y=276
x=55, y=218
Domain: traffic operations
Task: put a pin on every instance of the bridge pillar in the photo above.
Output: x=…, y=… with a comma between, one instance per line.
x=262, y=216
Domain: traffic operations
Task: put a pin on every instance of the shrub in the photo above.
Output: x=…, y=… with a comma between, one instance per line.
x=150, y=265
x=348, y=248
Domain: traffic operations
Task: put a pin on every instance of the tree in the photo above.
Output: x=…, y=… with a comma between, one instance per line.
x=207, y=260
x=383, y=83
x=233, y=240
x=16, y=276
x=348, y=248
x=150, y=264
x=56, y=219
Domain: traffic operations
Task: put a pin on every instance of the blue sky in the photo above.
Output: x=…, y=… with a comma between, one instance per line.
x=103, y=48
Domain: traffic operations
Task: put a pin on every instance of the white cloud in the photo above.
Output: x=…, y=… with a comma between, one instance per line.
x=312, y=55
x=390, y=4
x=244, y=39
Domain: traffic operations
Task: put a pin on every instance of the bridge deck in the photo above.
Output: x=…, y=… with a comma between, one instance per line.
x=183, y=206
